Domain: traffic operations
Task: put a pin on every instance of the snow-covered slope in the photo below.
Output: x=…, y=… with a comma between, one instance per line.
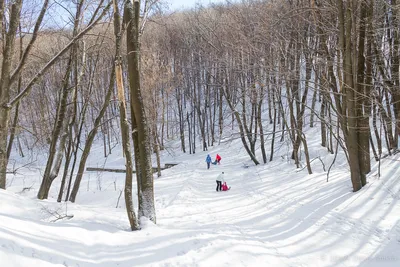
x=273, y=215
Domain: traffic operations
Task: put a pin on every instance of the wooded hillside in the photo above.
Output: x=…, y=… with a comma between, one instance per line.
x=258, y=70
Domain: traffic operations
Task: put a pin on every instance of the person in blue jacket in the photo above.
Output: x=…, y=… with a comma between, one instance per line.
x=208, y=160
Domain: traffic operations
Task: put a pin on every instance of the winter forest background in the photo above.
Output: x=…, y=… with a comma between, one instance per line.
x=300, y=98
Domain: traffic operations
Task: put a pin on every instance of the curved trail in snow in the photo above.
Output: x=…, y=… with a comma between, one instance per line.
x=272, y=216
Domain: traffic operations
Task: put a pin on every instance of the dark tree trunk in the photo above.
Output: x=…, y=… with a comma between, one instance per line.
x=143, y=159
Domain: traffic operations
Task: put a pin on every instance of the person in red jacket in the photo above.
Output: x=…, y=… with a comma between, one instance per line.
x=218, y=159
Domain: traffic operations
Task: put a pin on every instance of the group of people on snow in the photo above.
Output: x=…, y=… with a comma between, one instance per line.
x=221, y=184
x=215, y=162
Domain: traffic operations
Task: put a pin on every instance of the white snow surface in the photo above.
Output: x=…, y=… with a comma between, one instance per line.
x=274, y=215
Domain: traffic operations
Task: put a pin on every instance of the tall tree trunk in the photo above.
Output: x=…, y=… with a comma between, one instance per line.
x=146, y=193
x=260, y=126
x=13, y=130
x=273, y=128
x=181, y=116
x=4, y=117
x=300, y=114
x=16, y=112
x=377, y=134
x=157, y=150
x=74, y=141
x=362, y=109
x=5, y=82
x=323, y=121
x=313, y=102
x=68, y=156
x=126, y=144
x=352, y=142
x=395, y=65
x=189, y=132
x=220, y=111
x=127, y=150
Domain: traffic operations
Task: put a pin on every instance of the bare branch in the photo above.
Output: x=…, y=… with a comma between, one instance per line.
x=27, y=89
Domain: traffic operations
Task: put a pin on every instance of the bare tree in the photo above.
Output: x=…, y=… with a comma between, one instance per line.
x=8, y=77
x=141, y=131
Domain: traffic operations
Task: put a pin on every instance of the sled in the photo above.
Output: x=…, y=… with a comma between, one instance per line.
x=225, y=187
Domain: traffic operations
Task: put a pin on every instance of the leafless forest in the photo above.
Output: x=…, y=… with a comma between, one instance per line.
x=133, y=73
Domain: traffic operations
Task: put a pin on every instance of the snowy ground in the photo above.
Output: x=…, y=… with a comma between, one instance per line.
x=274, y=215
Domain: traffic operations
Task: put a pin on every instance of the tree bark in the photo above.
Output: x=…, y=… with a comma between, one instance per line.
x=146, y=193
x=5, y=83
x=127, y=150
x=351, y=97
